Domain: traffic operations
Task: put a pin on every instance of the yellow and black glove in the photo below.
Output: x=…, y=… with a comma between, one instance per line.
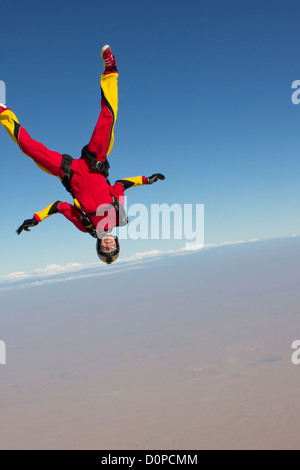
x=26, y=225
x=153, y=178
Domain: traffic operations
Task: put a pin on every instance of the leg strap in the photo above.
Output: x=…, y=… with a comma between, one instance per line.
x=96, y=165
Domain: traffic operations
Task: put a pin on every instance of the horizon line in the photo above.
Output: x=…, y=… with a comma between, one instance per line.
x=54, y=273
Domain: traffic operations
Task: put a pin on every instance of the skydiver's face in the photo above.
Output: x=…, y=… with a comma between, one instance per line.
x=108, y=244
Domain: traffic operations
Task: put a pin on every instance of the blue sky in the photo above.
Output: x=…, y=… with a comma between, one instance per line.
x=204, y=97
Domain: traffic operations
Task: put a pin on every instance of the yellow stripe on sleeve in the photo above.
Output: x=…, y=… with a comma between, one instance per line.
x=9, y=120
x=109, y=87
x=136, y=180
x=42, y=215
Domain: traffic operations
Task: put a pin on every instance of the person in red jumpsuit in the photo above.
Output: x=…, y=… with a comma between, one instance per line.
x=98, y=206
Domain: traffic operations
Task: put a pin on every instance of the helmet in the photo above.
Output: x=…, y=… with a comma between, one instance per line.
x=108, y=258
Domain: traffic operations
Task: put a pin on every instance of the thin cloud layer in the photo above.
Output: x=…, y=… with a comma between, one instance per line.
x=57, y=273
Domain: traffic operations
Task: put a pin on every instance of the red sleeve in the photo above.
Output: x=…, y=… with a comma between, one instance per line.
x=72, y=214
x=118, y=190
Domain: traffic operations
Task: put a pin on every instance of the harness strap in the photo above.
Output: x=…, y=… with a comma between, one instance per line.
x=96, y=165
x=86, y=221
x=85, y=218
x=115, y=203
x=89, y=227
x=66, y=181
x=120, y=212
x=67, y=172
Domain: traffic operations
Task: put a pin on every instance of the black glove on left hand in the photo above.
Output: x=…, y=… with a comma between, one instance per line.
x=26, y=225
x=157, y=176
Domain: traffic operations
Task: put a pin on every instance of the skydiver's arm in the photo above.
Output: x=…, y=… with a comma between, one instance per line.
x=49, y=210
x=140, y=180
x=69, y=211
x=38, y=217
x=64, y=208
x=133, y=181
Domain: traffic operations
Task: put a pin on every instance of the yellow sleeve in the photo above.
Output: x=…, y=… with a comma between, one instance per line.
x=49, y=210
x=133, y=181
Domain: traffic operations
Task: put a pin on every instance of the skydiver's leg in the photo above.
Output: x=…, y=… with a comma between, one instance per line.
x=46, y=159
x=103, y=136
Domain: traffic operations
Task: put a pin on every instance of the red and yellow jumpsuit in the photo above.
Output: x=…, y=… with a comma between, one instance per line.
x=90, y=189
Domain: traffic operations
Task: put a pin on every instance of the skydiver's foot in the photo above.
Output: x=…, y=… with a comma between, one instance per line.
x=109, y=61
x=2, y=107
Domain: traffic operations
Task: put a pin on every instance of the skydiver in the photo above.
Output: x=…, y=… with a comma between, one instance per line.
x=98, y=206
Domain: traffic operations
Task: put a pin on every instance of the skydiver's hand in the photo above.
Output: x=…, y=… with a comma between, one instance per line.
x=26, y=225
x=157, y=176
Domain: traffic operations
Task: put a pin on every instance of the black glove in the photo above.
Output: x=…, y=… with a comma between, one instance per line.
x=26, y=225
x=157, y=176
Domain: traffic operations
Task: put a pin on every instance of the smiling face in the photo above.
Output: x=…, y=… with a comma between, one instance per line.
x=108, y=247
x=108, y=244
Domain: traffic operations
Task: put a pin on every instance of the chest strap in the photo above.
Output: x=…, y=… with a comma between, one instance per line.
x=120, y=212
